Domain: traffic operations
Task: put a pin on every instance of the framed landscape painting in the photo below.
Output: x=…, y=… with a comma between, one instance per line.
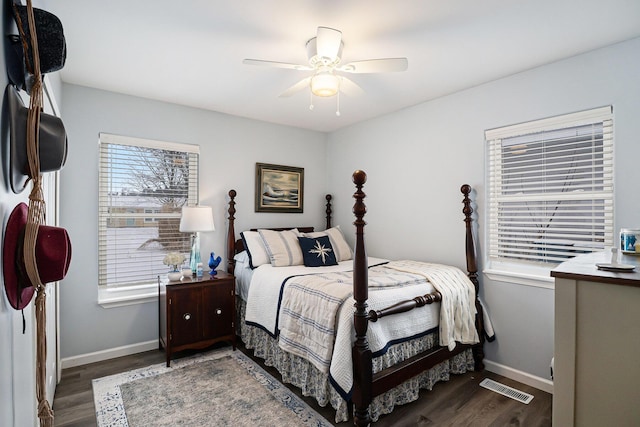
x=279, y=188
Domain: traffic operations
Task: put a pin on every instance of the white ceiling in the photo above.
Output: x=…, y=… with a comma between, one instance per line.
x=190, y=52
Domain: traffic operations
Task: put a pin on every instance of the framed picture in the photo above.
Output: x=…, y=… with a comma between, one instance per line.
x=279, y=188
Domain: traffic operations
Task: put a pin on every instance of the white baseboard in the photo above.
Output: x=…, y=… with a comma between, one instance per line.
x=522, y=377
x=98, y=356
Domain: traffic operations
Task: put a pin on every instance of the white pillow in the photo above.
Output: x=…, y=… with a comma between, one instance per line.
x=282, y=247
x=242, y=257
x=255, y=248
x=338, y=242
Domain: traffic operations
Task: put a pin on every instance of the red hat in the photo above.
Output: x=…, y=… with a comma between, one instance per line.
x=53, y=255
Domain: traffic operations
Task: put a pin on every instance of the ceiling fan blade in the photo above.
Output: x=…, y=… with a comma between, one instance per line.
x=349, y=87
x=295, y=88
x=275, y=64
x=385, y=65
x=328, y=42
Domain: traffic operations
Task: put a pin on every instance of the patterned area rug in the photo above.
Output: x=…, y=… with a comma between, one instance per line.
x=222, y=388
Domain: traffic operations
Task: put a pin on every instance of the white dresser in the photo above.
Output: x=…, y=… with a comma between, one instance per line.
x=597, y=343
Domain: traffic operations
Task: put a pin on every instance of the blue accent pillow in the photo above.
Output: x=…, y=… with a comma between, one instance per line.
x=317, y=252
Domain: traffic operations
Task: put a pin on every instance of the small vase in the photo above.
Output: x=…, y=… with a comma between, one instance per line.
x=174, y=276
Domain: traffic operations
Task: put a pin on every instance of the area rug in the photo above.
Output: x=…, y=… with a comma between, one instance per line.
x=221, y=388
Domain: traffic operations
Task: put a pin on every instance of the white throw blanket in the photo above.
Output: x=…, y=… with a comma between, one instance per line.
x=457, y=310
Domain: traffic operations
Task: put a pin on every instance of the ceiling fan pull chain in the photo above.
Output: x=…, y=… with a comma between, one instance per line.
x=338, y=104
x=310, y=100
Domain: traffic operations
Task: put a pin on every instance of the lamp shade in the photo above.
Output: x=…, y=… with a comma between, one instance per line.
x=325, y=83
x=196, y=218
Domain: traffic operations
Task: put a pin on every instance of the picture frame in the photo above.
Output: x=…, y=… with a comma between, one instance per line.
x=279, y=188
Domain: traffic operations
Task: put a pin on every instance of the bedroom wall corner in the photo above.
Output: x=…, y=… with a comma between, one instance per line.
x=417, y=159
x=230, y=147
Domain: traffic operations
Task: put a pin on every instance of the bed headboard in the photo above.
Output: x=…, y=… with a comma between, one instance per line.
x=235, y=246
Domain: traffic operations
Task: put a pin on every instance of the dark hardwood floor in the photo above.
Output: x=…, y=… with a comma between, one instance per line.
x=458, y=402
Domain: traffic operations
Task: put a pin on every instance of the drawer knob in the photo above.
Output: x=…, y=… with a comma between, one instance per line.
x=186, y=316
x=218, y=311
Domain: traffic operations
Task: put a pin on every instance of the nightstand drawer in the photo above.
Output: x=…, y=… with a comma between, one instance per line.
x=218, y=318
x=184, y=305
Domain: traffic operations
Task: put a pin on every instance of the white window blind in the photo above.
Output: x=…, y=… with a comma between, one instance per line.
x=143, y=185
x=551, y=187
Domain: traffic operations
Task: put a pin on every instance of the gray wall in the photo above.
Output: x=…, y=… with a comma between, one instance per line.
x=418, y=158
x=230, y=146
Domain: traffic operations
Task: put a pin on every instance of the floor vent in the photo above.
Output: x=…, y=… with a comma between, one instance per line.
x=504, y=390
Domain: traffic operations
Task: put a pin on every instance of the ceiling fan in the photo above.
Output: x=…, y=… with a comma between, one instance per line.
x=324, y=52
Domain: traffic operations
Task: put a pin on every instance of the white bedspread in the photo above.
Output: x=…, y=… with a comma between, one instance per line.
x=310, y=306
x=307, y=329
x=266, y=284
x=380, y=334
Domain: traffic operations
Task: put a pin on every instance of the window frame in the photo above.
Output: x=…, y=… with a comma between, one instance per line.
x=538, y=273
x=126, y=294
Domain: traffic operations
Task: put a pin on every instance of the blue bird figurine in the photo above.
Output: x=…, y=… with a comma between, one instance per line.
x=213, y=263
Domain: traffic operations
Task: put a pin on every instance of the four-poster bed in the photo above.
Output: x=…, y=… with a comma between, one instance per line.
x=379, y=378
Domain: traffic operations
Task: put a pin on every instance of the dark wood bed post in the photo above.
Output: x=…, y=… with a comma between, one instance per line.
x=231, y=233
x=328, y=211
x=472, y=269
x=362, y=358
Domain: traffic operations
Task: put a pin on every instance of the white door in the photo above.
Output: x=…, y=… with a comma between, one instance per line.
x=50, y=188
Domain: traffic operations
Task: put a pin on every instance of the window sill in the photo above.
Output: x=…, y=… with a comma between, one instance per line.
x=538, y=277
x=127, y=295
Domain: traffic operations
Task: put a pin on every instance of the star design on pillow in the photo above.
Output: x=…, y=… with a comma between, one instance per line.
x=321, y=251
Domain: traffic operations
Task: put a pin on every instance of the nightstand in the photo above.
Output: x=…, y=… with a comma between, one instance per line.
x=196, y=312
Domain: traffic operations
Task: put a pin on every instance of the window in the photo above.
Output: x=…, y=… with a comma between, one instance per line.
x=551, y=188
x=143, y=186
x=151, y=211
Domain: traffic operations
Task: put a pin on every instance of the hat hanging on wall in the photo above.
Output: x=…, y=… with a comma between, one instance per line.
x=53, y=256
x=52, y=146
x=52, y=47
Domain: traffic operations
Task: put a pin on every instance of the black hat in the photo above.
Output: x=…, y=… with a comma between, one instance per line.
x=52, y=142
x=52, y=47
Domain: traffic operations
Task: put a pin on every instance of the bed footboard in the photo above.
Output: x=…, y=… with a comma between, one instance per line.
x=472, y=272
x=405, y=306
x=366, y=384
x=362, y=356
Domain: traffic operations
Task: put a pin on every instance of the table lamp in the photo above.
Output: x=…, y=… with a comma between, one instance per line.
x=195, y=219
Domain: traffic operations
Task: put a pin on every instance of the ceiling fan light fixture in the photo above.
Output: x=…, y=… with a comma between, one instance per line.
x=324, y=52
x=325, y=84
x=317, y=60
